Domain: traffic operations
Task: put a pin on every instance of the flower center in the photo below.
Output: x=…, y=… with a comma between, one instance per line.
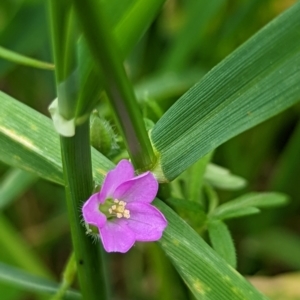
x=115, y=208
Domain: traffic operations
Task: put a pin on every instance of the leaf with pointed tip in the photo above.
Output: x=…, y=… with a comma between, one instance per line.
x=221, y=241
x=32, y=283
x=249, y=200
x=237, y=213
x=221, y=178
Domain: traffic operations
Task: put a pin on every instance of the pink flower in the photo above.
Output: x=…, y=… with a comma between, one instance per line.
x=122, y=211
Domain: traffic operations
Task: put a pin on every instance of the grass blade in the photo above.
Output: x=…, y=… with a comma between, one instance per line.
x=221, y=178
x=257, y=81
x=207, y=275
x=28, y=141
x=32, y=283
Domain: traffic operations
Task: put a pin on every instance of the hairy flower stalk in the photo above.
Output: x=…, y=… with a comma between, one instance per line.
x=121, y=211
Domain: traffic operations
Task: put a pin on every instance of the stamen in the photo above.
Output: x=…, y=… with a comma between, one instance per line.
x=118, y=210
x=121, y=209
x=126, y=214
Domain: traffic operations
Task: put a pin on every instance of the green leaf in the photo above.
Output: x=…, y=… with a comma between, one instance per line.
x=169, y=285
x=134, y=22
x=221, y=241
x=195, y=176
x=221, y=178
x=35, y=147
x=15, y=251
x=252, y=200
x=32, y=283
x=207, y=275
x=185, y=205
x=257, y=81
x=18, y=250
x=212, y=198
x=192, y=212
x=116, y=10
x=238, y=213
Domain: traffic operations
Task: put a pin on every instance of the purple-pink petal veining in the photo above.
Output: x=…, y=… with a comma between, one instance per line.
x=91, y=213
x=117, y=237
x=146, y=221
x=141, y=188
x=121, y=173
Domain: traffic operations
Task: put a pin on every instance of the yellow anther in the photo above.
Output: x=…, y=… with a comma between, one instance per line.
x=119, y=210
x=126, y=214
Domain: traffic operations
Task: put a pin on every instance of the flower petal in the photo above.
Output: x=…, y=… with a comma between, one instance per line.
x=146, y=221
x=142, y=188
x=91, y=213
x=116, y=236
x=122, y=172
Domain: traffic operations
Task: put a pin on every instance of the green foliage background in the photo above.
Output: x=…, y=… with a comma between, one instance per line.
x=186, y=40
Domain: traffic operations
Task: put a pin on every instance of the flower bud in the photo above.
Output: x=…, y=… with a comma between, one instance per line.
x=101, y=134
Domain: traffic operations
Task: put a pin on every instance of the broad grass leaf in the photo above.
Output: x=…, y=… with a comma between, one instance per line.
x=29, y=141
x=257, y=81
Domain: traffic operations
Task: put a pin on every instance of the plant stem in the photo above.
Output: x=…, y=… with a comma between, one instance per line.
x=64, y=52
x=76, y=157
x=116, y=82
x=24, y=60
x=128, y=29
x=69, y=275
